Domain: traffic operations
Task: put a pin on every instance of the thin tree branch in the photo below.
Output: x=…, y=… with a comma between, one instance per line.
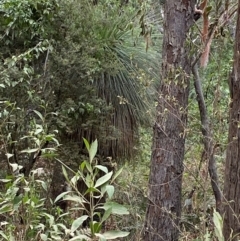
x=207, y=138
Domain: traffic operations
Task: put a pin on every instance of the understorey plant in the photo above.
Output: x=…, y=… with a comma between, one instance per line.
x=94, y=206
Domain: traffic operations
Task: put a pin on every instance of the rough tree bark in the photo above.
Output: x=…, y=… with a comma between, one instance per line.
x=232, y=169
x=165, y=181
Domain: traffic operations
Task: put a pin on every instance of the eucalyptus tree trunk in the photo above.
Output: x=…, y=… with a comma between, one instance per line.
x=165, y=182
x=232, y=170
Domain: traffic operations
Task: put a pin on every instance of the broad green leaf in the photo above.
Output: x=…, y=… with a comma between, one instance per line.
x=102, y=168
x=93, y=150
x=78, y=222
x=103, y=179
x=110, y=190
x=115, y=234
x=116, y=208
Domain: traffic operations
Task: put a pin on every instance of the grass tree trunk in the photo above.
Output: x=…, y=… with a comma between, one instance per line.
x=232, y=170
x=165, y=182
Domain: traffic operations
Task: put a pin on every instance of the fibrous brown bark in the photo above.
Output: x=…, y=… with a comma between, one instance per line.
x=164, y=207
x=232, y=170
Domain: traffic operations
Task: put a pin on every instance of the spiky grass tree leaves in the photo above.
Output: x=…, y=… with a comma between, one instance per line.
x=113, y=58
x=126, y=90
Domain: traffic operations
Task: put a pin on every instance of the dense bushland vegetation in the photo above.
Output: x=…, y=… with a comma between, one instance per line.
x=75, y=69
x=69, y=69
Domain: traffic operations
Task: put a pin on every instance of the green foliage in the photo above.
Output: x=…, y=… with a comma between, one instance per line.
x=22, y=207
x=90, y=69
x=92, y=201
x=109, y=63
x=26, y=22
x=26, y=217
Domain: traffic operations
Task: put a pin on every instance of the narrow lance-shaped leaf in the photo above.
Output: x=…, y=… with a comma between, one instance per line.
x=79, y=237
x=65, y=173
x=3, y=235
x=30, y=150
x=78, y=222
x=115, y=234
x=86, y=144
x=103, y=179
x=117, y=174
x=39, y=114
x=61, y=196
x=218, y=223
x=107, y=213
x=102, y=168
x=93, y=150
